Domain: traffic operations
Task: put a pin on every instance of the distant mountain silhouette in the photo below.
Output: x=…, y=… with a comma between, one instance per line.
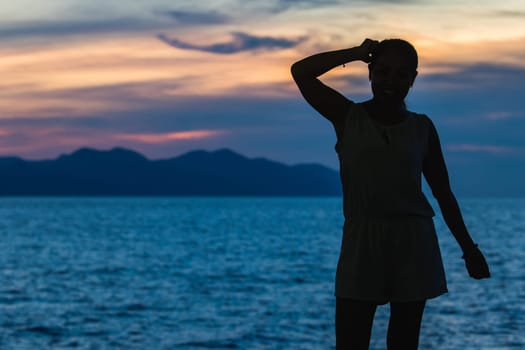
x=124, y=172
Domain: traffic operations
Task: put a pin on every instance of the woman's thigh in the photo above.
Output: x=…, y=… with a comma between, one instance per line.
x=353, y=323
x=405, y=324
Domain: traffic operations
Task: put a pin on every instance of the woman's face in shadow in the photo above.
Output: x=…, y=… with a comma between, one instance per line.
x=391, y=77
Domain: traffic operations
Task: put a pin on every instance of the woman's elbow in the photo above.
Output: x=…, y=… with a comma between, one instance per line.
x=300, y=71
x=442, y=193
x=295, y=70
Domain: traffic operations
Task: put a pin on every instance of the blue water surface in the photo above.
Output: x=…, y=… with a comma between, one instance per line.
x=227, y=273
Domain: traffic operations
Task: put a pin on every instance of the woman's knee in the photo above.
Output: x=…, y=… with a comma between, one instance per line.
x=411, y=312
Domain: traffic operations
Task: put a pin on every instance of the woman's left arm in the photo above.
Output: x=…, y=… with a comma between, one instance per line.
x=436, y=174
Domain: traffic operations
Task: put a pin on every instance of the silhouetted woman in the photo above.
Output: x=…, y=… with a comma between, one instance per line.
x=389, y=250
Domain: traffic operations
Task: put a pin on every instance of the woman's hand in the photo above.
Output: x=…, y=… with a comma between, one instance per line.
x=366, y=50
x=476, y=264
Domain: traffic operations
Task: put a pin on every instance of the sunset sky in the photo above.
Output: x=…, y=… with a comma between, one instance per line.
x=164, y=77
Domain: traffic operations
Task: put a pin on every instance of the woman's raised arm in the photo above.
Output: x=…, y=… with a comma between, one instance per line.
x=327, y=101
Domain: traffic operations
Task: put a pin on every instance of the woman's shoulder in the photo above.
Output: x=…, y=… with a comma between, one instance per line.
x=352, y=112
x=425, y=127
x=356, y=109
x=421, y=119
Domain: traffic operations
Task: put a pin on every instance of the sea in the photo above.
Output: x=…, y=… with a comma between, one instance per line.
x=228, y=273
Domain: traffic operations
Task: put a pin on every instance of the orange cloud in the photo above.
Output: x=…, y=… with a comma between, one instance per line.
x=168, y=137
x=63, y=79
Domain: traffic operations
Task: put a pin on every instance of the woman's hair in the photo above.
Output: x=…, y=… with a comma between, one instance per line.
x=399, y=46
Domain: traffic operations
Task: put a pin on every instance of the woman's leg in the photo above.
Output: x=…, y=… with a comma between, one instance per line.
x=353, y=323
x=404, y=325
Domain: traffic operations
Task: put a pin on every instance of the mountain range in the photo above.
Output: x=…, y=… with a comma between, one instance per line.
x=121, y=171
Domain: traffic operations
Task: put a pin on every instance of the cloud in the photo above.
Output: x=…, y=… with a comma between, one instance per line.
x=509, y=14
x=131, y=23
x=476, y=76
x=197, y=18
x=66, y=28
x=79, y=101
x=241, y=42
x=170, y=136
x=43, y=138
x=284, y=5
x=492, y=149
x=504, y=115
x=472, y=93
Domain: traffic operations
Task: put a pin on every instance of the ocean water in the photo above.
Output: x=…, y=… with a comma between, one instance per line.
x=227, y=273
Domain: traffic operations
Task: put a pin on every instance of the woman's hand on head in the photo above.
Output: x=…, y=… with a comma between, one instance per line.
x=367, y=48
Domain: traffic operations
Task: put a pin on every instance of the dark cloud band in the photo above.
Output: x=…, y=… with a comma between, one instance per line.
x=68, y=27
x=197, y=18
x=240, y=42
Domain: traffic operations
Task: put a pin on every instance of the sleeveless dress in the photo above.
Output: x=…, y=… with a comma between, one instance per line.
x=389, y=250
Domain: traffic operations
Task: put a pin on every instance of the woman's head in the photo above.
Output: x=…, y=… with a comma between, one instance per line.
x=399, y=47
x=392, y=70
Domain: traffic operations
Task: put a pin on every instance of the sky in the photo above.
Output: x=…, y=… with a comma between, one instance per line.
x=165, y=77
